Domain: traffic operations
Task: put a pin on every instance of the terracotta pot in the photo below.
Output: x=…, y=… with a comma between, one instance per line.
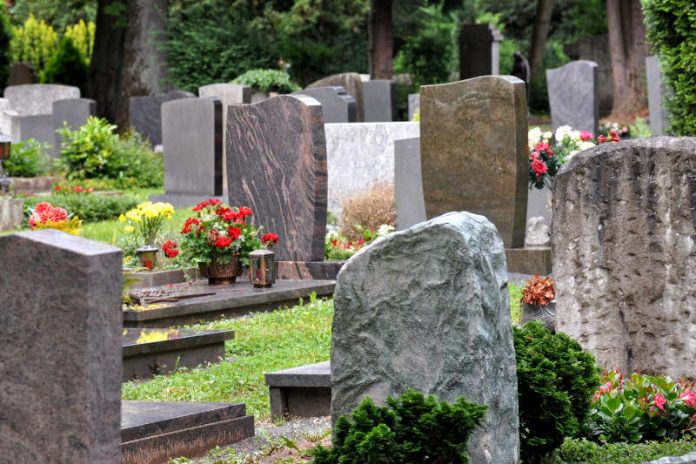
x=221, y=273
x=541, y=313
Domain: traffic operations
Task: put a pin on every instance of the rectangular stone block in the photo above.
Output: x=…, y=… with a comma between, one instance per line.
x=380, y=100
x=656, y=96
x=145, y=114
x=73, y=113
x=408, y=183
x=38, y=127
x=574, y=95
x=353, y=85
x=336, y=105
x=32, y=99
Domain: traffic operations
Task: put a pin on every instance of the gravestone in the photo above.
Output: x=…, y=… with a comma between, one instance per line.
x=349, y=81
x=32, y=99
x=6, y=115
x=408, y=183
x=573, y=95
x=72, y=112
x=596, y=49
x=277, y=152
x=36, y=126
x=624, y=260
x=193, y=156
x=145, y=114
x=60, y=349
x=379, y=100
x=479, y=50
x=483, y=169
x=22, y=73
x=413, y=105
x=521, y=70
x=428, y=308
x=656, y=96
x=336, y=104
x=11, y=213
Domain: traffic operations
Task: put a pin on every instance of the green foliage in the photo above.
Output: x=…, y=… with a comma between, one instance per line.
x=5, y=39
x=553, y=58
x=35, y=41
x=575, y=451
x=556, y=380
x=57, y=13
x=89, y=207
x=671, y=30
x=29, y=159
x=267, y=80
x=82, y=36
x=413, y=428
x=67, y=66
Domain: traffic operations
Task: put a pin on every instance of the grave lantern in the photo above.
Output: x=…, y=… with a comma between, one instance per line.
x=6, y=183
x=148, y=256
x=262, y=268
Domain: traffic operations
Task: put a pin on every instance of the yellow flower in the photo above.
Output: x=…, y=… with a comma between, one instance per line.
x=122, y=218
x=129, y=229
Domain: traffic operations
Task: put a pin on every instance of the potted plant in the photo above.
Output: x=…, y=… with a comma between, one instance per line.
x=145, y=223
x=539, y=301
x=219, y=239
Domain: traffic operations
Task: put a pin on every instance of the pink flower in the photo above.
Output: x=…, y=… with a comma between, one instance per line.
x=606, y=387
x=586, y=135
x=689, y=397
x=659, y=401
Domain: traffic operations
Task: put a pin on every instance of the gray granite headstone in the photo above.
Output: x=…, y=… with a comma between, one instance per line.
x=145, y=114
x=573, y=95
x=479, y=50
x=656, y=96
x=60, y=349
x=336, y=104
x=353, y=85
x=408, y=183
x=31, y=99
x=428, y=308
x=413, y=105
x=379, y=100
x=72, y=112
x=37, y=126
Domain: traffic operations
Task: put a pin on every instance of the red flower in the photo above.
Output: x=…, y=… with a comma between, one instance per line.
x=170, y=249
x=46, y=212
x=586, y=135
x=222, y=242
x=234, y=232
x=57, y=188
x=543, y=146
x=229, y=215
x=601, y=139
x=269, y=238
x=210, y=202
x=77, y=189
x=187, y=225
x=539, y=167
x=660, y=401
x=245, y=211
x=614, y=135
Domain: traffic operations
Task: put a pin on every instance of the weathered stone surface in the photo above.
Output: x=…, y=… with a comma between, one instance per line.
x=277, y=152
x=686, y=459
x=6, y=115
x=483, y=169
x=408, y=183
x=379, y=100
x=413, y=105
x=145, y=114
x=623, y=241
x=428, y=308
x=60, y=360
x=31, y=99
x=479, y=50
x=11, y=213
x=360, y=155
x=336, y=104
x=22, y=73
x=353, y=85
x=656, y=96
x=73, y=112
x=574, y=95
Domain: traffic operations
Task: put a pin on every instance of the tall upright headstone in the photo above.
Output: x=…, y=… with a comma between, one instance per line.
x=35, y=126
x=193, y=150
x=353, y=85
x=32, y=99
x=656, y=96
x=72, y=112
x=479, y=50
x=379, y=100
x=573, y=95
x=336, y=104
x=60, y=349
x=428, y=308
x=484, y=167
x=624, y=257
x=277, y=152
x=408, y=183
x=145, y=114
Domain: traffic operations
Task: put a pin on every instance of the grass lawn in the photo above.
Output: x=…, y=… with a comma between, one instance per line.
x=111, y=231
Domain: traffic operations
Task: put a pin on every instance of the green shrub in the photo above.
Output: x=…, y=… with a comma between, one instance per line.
x=67, y=66
x=556, y=380
x=267, y=80
x=82, y=36
x=414, y=428
x=575, y=451
x=89, y=207
x=29, y=159
x=5, y=39
x=58, y=13
x=671, y=30
x=35, y=41
x=553, y=58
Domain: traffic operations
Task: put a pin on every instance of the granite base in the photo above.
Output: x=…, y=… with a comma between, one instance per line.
x=318, y=270
x=529, y=260
x=303, y=391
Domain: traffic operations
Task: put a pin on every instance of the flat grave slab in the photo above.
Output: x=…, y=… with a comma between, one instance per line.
x=153, y=432
x=303, y=391
x=148, y=352
x=189, y=303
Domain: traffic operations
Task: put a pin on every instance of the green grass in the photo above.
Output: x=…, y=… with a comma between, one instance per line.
x=515, y=308
x=111, y=231
x=577, y=451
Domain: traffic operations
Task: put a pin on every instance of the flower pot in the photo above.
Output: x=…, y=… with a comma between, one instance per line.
x=221, y=273
x=541, y=313
x=148, y=256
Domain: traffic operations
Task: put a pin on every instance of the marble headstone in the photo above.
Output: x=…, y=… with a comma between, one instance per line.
x=413, y=105
x=479, y=50
x=72, y=112
x=474, y=151
x=336, y=104
x=574, y=95
x=379, y=100
x=60, y=349
x=145, y=114
x=277, y=152
x=349, y=81
x=408, y=183
x=31, y=99
x=22, y=73
x=656, y=96
x=428, y=308
x=624, y=256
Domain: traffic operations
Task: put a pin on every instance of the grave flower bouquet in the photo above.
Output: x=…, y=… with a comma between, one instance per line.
x=47, y=216
x=146, y=221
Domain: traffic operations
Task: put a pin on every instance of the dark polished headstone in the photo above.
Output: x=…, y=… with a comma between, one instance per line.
x=379, y=100
x=479, y=50
x=145, y=114
x=336, y=104
x=277, y=152
x=574, y=95
x=353, y=85
x=474, y=151
x=60, y=336
x=72, y=112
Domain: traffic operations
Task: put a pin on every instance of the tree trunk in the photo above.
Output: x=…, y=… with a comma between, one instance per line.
x=381, y=39
x=628, y=48
x=540, y=32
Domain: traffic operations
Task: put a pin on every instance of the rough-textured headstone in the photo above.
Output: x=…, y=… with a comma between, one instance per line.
x=72, y=112
x=360, y=155
x=22, y=73
x=11, y=213
x=276, y=154
x=573, y=95
x=624, y=258
x=37, y=126
x=596, y=49
x=408, y=183
x=145, y=114
x=479, y=50
x=483, y=169
x=379, y=98
x=349, y=81
x=413, y=105
x=193, y=144
x=32, y=99
x=428, y=308
x=60, y=349
x=336, y=104
x=656, y=96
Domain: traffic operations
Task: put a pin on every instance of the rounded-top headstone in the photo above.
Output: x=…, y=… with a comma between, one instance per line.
x=574, y=95
x=349, y=81
x=22, y=73
x=34, y=99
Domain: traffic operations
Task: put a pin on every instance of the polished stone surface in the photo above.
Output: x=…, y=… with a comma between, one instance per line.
x=317, y=270
x=145, y=114
x=73, y=112
x=408, y=183
x=303, y=391
x=336, y=105
x=474, y=151
x=574, y=95
x=60, y=360
x=623, y=244
x=311, y=375
x=32, y=99
x=657, y=89
x=277, y=152
x=353, y=85
x=479, y=50
x=144, y=341
x=428, y=308
x=379, y=98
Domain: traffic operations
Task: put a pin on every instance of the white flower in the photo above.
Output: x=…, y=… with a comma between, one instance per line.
x=585, y=145
x=562, y=131
x=547, y=136
x=533, y=136
x=385, y=229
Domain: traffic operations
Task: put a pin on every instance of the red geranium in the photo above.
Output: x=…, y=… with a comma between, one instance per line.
x=234, y=232
x=539, y=167
x=269, y=238
x=222, y=242
x=187, y=225
x=171, y=249
x=586, y=135
x=245, y=211
x=210, y=202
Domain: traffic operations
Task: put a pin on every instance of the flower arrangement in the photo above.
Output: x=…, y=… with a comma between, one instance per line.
x=338, y=247
x=47, y=216
x=146, y=221
x=539, y=291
